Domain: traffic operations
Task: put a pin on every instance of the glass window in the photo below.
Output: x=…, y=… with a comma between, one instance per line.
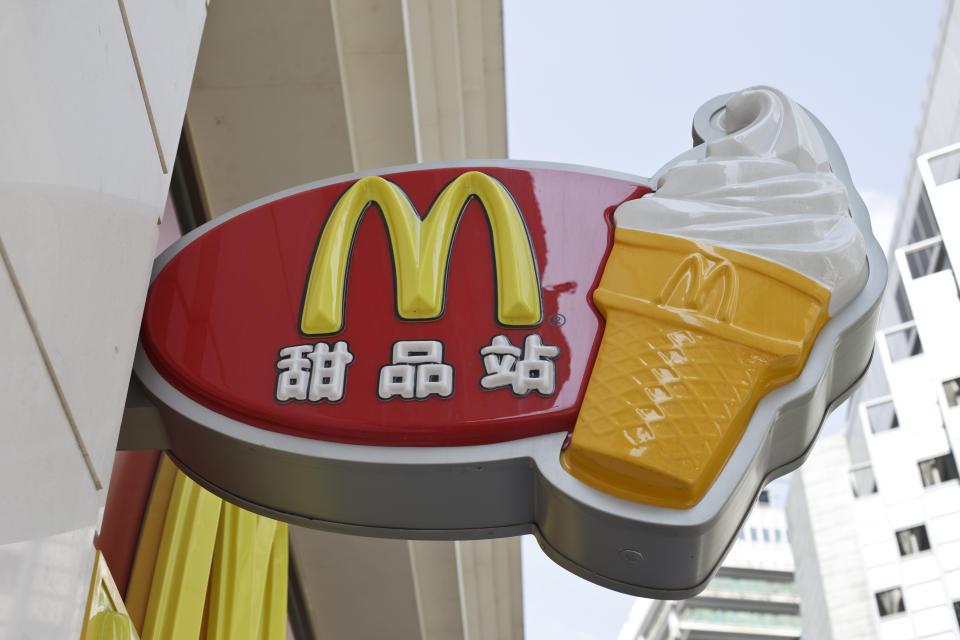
x=913, y=540
x=753, y=533
x=943, y=167
x=862, y=481
x=739, y=618
x=777, y=536
x=882, y=417
x=937, y=470
x=751, y=585
x=903, y=304
x=951, y=389
x=924, y=261
x=890, y=602
x=903, y=342
x=924, y=222
x=766, y=535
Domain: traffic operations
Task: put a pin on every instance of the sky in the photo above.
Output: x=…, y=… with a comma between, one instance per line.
x=615, y=85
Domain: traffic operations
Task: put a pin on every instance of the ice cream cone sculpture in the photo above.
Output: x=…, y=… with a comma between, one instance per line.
x=713, y=295
x=683, y=364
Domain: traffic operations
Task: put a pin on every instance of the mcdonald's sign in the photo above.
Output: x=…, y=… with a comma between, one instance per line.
x=420, y=248
x=473, y=350
x=369, y=310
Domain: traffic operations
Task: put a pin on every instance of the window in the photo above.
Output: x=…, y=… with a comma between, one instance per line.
x=937, y=470
x=753, y=533
x=951, y=389
x=890, y=602
x=903, y=304
x=862, y=480
x=924, y=222
x=753, y=586
x=913, y=540
x=766, y=534
x=764, y=497
x=882, y=416
x=943, y=166
x=926, y=257
x=903, y=341
x=777, y=535
x=728, y=617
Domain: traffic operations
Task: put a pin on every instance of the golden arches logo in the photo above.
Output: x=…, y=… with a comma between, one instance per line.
x=421, y=250
x=703, y=285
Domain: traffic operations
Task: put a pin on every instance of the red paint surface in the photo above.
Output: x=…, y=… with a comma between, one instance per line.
x=130, y=484
x=221, y=309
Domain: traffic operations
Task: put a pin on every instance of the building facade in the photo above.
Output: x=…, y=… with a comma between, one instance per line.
x=752, y=596
x=96, y=96
x=875, y=513
x=122, y=107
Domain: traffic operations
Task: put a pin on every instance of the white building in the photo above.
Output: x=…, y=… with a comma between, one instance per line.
x=875, y=515
x=752, y=595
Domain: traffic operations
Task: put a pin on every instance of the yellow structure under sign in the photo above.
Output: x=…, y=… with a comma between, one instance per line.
x=205, y=568
x=105, y=617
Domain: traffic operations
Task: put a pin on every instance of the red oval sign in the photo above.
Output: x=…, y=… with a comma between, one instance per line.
x=394, y=311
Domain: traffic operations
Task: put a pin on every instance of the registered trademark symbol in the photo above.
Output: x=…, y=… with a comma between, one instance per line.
x=556, y=320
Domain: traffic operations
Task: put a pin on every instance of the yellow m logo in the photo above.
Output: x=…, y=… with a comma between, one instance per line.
x=709, y=286
x=421, y=251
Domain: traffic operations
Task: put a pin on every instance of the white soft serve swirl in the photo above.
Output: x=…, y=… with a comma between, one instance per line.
x=766, y=189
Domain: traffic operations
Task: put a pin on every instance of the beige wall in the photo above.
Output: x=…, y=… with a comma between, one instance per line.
x=282, y=98
x=266, y=110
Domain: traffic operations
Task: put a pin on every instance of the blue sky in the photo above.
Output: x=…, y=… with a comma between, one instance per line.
x=615, y=85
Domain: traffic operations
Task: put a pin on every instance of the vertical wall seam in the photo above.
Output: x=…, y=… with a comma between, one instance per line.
x=143, y=87
x=338, y=43
x=458, y=81
x=464, y=614
x=417, y=596
x=408, y=46
x=49, y=366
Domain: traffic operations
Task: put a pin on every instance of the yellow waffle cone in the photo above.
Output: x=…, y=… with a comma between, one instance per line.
x=695, y=335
